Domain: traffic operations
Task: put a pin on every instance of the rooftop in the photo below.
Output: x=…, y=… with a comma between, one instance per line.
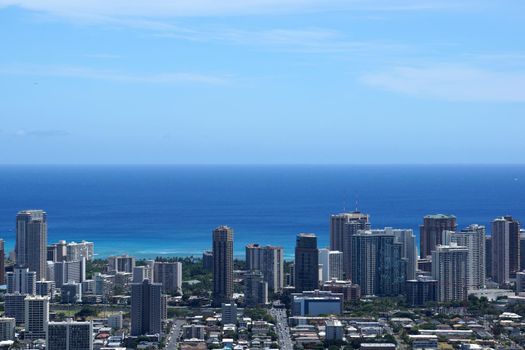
x=439, y=216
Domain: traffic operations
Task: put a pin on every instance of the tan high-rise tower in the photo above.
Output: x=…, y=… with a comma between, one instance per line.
x=31, y=241
x=342, y=227
x=222, y=265
x=431, y=232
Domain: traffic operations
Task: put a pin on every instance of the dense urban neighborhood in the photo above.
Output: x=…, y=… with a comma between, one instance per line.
x=370, y=289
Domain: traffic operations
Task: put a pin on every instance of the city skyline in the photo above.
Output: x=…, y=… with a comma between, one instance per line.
x=262, y=174
x=154, y=82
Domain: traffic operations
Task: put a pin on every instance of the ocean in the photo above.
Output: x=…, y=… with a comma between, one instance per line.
x=149, y=211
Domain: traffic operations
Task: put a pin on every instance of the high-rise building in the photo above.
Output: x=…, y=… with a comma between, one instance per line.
x=7, y=328
x=306, y=263
x=378, y=265
x=342, y=227
x=222, y=265
x=122, y=263
x=72, y=251
x=69, y=335
x=61, y=250
x=431, y=232
x=140, y=273
x=164, y=307
x=52, y=252
x=45, y=288
x=424, y=265
x=69, y=271
x=31, y=241
x=421, y=290
x=522, y=249
x=169, y=274
x=207, y=260
x=270, y=261
x=505, y=249
x=449, y=268
x=15, y=306
x=78, y=251
x=36, y=317
x=253, y=256
x=21, y=280
x=472, y=237
x=332, y=264
x=488, y=256
x=71, y=293
x=88, y=287
x=2, y=262
x=255, y=289
x=520, y=282
x=408, y=249
x=146, y=308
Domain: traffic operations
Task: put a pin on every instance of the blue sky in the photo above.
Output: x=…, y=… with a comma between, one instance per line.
x=262, y=81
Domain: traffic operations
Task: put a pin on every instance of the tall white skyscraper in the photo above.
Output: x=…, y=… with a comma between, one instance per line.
x=31, y=241
x=69, y=335
x=409, y=250
x=472, y=237
x=332, y=264
x=449, y=268
x=36, y=317
x=21, y=280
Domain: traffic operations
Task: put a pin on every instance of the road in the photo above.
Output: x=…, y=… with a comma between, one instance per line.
x=175, y=333
x=400, y=343
x=283, y=332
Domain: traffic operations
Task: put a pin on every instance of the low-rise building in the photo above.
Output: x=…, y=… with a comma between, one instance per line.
x=334, y=331
x=315, y=303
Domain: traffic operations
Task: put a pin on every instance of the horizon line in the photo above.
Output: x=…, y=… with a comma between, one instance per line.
x=258, y=164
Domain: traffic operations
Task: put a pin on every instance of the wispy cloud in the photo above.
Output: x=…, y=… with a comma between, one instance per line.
x=116, y=76
x=41, y=133
x=451, y=82
x=103, y=55
x=163, y=18
x=193, y=8
x=303, y=40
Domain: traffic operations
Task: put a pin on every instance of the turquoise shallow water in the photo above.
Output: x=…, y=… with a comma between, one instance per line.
x=171, y=210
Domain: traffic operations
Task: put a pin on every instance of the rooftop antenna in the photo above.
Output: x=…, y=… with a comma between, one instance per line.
x=356, y=203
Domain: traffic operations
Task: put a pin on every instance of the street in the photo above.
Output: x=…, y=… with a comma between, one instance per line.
x=283, y=332
x=175, y=334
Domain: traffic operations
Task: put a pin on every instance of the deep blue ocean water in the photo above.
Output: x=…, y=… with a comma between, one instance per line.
x=171, y=210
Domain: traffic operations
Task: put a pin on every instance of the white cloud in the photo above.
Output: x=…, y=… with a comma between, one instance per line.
x=456, y=83
x=186, y=8
x=117, y=76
